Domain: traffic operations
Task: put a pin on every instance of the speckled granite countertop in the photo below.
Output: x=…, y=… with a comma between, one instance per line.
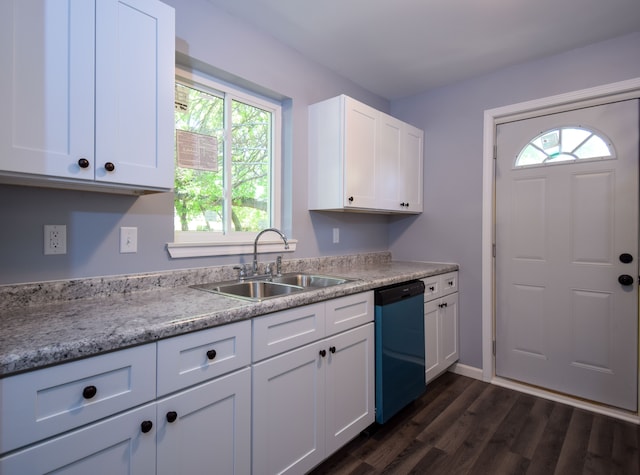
x=54, y=322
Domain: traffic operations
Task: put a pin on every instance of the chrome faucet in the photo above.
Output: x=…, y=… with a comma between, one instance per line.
x=255, y=246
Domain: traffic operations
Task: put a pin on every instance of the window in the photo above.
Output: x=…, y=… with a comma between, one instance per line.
x=227, y=175
x=564, y=144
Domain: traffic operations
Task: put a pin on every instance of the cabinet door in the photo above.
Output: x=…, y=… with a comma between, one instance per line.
x=432, y=339
x=350, y=385
x=47, y=87
x=449, y=330
x=389, y=174
x=411, y=166
x=135, y=75
x=360, y=144
x=211, y=432
x=115, y=446
x=288, y=411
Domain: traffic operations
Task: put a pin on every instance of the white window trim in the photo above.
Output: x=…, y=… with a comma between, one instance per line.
x=195, y=244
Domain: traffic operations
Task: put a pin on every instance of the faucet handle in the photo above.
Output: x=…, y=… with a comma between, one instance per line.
x=242, y=272
x=279, y=266
x=269, y=269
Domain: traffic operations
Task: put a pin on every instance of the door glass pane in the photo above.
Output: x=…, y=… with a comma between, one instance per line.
x=564, y=144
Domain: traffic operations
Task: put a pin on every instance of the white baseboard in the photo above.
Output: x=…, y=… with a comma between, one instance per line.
x=465, y=370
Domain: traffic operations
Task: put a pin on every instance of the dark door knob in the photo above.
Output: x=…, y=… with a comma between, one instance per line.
x=626, y=258
x=83, y=163
x=89, y=392
x=323, y=353
x=146, y=426
x=211, y=354
x=109, y=166
x=172, y=416
x=332, y=349
x=625, y=279
x=350, y=199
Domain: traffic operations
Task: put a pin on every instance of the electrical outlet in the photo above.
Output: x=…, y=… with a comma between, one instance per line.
x=55, y=239
x=128, y=240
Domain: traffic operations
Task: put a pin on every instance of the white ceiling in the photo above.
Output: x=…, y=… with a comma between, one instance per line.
x=397, y=48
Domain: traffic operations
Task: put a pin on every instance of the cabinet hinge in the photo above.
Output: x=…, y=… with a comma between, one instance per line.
x=493, y=249
x=494, y=348
x=495, y=152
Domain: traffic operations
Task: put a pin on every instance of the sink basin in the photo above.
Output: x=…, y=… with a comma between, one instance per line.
x=251, y=290
x=309, y=280
x=261, y=288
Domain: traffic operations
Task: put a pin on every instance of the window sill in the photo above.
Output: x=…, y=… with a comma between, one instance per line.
x=178, y=250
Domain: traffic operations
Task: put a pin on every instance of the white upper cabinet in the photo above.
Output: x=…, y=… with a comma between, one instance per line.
x=361, y=159
x=87, y=90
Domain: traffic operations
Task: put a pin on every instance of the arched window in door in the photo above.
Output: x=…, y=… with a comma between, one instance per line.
x=564, y=144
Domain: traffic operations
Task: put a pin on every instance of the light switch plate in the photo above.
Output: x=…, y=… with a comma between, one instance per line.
x=128, y=240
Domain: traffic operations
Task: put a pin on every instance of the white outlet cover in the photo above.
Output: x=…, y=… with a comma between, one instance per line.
x=55, y=239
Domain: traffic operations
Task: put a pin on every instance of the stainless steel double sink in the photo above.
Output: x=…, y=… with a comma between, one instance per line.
x=264, y=287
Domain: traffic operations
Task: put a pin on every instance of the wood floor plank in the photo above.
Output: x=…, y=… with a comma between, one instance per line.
x=624, y=452
x=546, y=455
x=497, y=456
x=447, y=418
x=483, y=418
x=576, y=442
x=533, y=429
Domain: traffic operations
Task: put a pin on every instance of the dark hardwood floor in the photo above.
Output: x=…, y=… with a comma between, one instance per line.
x=465, y=426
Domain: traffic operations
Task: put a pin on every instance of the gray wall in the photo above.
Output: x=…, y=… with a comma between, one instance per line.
x=452, y=118
x=234, y=51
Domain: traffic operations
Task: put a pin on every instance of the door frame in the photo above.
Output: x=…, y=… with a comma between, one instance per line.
x=628, y=89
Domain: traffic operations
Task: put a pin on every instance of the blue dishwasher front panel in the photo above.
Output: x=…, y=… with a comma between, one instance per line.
x=400, y=365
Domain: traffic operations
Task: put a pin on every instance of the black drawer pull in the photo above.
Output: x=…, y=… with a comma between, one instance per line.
x=211, y=354
x=172, y=416
x=146, y=426
x=332, y=349
x=89, y=392
x=323, y=353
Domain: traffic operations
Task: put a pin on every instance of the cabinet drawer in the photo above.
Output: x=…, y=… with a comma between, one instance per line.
x=348, y=312
x=49, y=401
x=431, y=287
x=283, y=331
x=438, y=286
x=449, y=283
x=190, y=359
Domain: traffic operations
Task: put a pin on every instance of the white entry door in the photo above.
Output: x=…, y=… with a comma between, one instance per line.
x=566, y=235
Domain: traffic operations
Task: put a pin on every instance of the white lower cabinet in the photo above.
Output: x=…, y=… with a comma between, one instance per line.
x=440, y=324
x=206, y=429
x=199, y=403
x=311, y=400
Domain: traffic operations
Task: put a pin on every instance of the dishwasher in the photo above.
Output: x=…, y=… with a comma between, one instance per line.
x=399, y=347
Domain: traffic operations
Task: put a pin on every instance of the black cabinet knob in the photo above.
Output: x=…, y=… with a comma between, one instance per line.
x=332, y=349
x=626, y=258
x=350, y=199
x=211, y=354
x=402, y=204
x=89, y=392
x=172, y=416
x=625, y=279
x=323, y=353
x=432, y=288
x=83, y=163
x=146, y=426
x=109, y=166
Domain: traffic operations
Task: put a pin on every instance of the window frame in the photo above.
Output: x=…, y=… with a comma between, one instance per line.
x=199, y=243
